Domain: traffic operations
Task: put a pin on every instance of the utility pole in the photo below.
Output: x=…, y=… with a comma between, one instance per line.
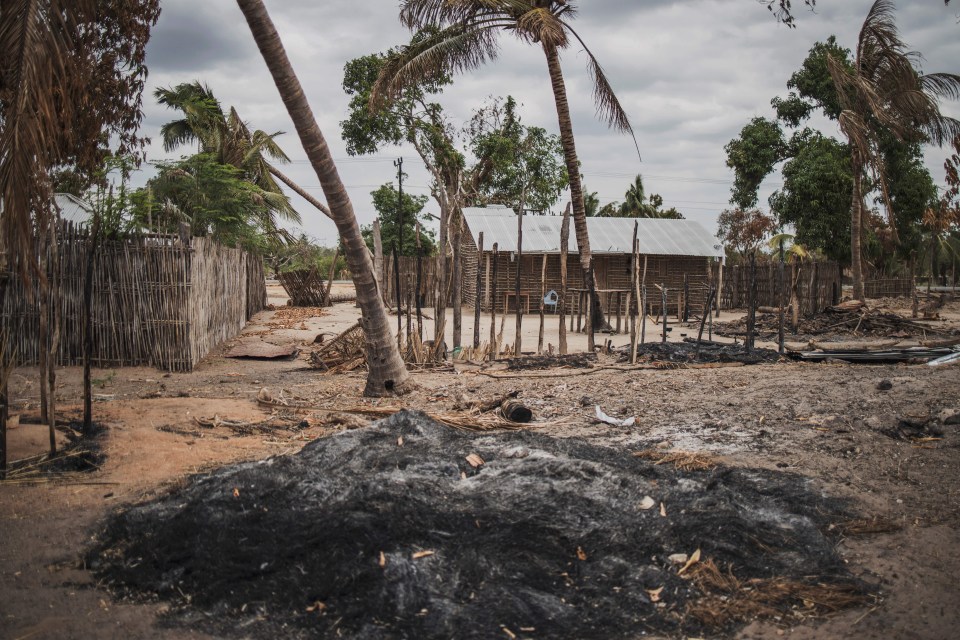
x=398, y=242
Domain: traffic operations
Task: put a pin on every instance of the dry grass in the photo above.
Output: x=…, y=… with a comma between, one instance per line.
x=681, y=460
x=727, y=600
x=866, y=526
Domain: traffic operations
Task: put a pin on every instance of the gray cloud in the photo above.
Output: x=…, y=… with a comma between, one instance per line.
x=690, y=73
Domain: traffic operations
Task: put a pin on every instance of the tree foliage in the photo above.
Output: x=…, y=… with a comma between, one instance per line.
x=71, y=78
x=744, y=230
x=386, y=201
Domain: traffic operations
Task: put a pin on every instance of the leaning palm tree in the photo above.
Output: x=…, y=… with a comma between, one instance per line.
x=465, y=36
x=228, y=138
x=386, y=372
x=884, y=91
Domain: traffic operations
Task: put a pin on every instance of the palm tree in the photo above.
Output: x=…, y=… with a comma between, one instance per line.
x=883, y=90
x=228, y=138
x=634, y=201
x=387, y=374
x=465, y=37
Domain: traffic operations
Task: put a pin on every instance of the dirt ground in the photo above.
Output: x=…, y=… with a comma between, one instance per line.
x=833, y=422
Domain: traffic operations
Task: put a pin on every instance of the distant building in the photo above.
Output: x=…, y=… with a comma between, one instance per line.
x=670, y=250
x=73, y=209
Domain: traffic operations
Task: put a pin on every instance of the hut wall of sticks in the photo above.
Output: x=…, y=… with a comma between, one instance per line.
x=677, y=254
x=157, y=300
x=816, y=284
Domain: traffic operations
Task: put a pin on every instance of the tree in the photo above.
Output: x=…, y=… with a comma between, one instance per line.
x=465, y=37
x=744, y=230
x=816, y=191
x=510, y=162
x=215, y=199
x=518, y=166
x=229, y=141
x=635, y=204
x=884, y=92
x=753, y=156
x=385, y=201
x=71, y=80
x=386, y=371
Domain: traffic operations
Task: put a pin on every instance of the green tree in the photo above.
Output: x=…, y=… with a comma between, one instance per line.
x=516, y=165
x=214, y=199
x=743, y=231
x=229, y=141
x=752, y=156
x=466, y=37
x=386, y=372
x=816, y=190
x=883, y=92
x=385, y=201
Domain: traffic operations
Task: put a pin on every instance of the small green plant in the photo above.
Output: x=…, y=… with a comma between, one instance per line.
x=100, y=383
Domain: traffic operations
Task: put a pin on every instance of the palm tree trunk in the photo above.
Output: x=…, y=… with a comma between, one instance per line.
x=856, y=226
x=300, y=192
x=576, y=188
x=387, y=374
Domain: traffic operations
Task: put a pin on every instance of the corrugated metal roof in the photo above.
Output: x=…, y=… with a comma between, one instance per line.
x=72, y=208
x=541, y=234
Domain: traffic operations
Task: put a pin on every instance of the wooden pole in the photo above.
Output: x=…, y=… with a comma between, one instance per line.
x=543, y=295
x=781, y=286
x=493, y=304
x=516, y=300
x=562, y=303
x=663, y=308
x=88, y=325
x=719, y=295
x=635, y=292
x=377, y=258
x=476, y=302
x=643, y=313
x=457, y=288
x=751, y=303
x=327, y=300
x=419, y=293
x=409, y=309
x=706, y=312
x=686, y=298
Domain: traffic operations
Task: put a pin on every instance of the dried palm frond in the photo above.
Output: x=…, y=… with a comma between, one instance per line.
x=682, y=460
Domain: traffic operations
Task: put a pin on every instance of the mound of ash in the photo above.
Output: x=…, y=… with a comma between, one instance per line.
x=686, y=353
x=391, y=532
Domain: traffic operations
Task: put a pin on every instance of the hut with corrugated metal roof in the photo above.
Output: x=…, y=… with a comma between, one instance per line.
x=672, y=252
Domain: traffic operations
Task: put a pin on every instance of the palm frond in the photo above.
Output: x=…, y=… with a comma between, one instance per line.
x=455, y=49
x=539, y=25
x=176, y=133
x=608, y=105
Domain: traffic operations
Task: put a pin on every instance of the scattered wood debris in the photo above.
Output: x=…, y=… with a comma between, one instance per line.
x=682, y=460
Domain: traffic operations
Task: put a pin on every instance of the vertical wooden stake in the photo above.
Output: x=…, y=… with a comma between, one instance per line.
x=634, y=291
x=751, y=303
x=493, y=305
x=543, y=295
x=719, y=287
x=377, y=259
x=643, y=313
x=663, y=307
x=419, y=292
x=562, y=302
x=686, y=299
x=88, y=325
x=477, y=293
x=516, y=300
x=409, y=310
x=781, y=286
x=457, y=285
x=327, y=300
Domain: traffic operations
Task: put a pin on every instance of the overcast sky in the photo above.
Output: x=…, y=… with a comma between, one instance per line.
x=690, y=74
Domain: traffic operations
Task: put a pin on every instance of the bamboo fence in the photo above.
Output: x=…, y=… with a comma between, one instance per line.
x=818, y=285
x=158, y=300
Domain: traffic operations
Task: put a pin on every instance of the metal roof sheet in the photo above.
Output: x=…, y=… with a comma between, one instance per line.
x=73, y=208
x=541, y=234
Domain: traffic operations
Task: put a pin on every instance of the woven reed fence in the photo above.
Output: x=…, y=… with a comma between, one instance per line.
x=306, y=287
x=818, y=285
x=157, y=300
x=888, y=288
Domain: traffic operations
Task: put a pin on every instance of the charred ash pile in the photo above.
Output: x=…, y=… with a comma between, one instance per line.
x=708, y=352
x=409, y=529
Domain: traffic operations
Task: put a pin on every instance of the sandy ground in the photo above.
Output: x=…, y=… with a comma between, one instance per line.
x=826, y=421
